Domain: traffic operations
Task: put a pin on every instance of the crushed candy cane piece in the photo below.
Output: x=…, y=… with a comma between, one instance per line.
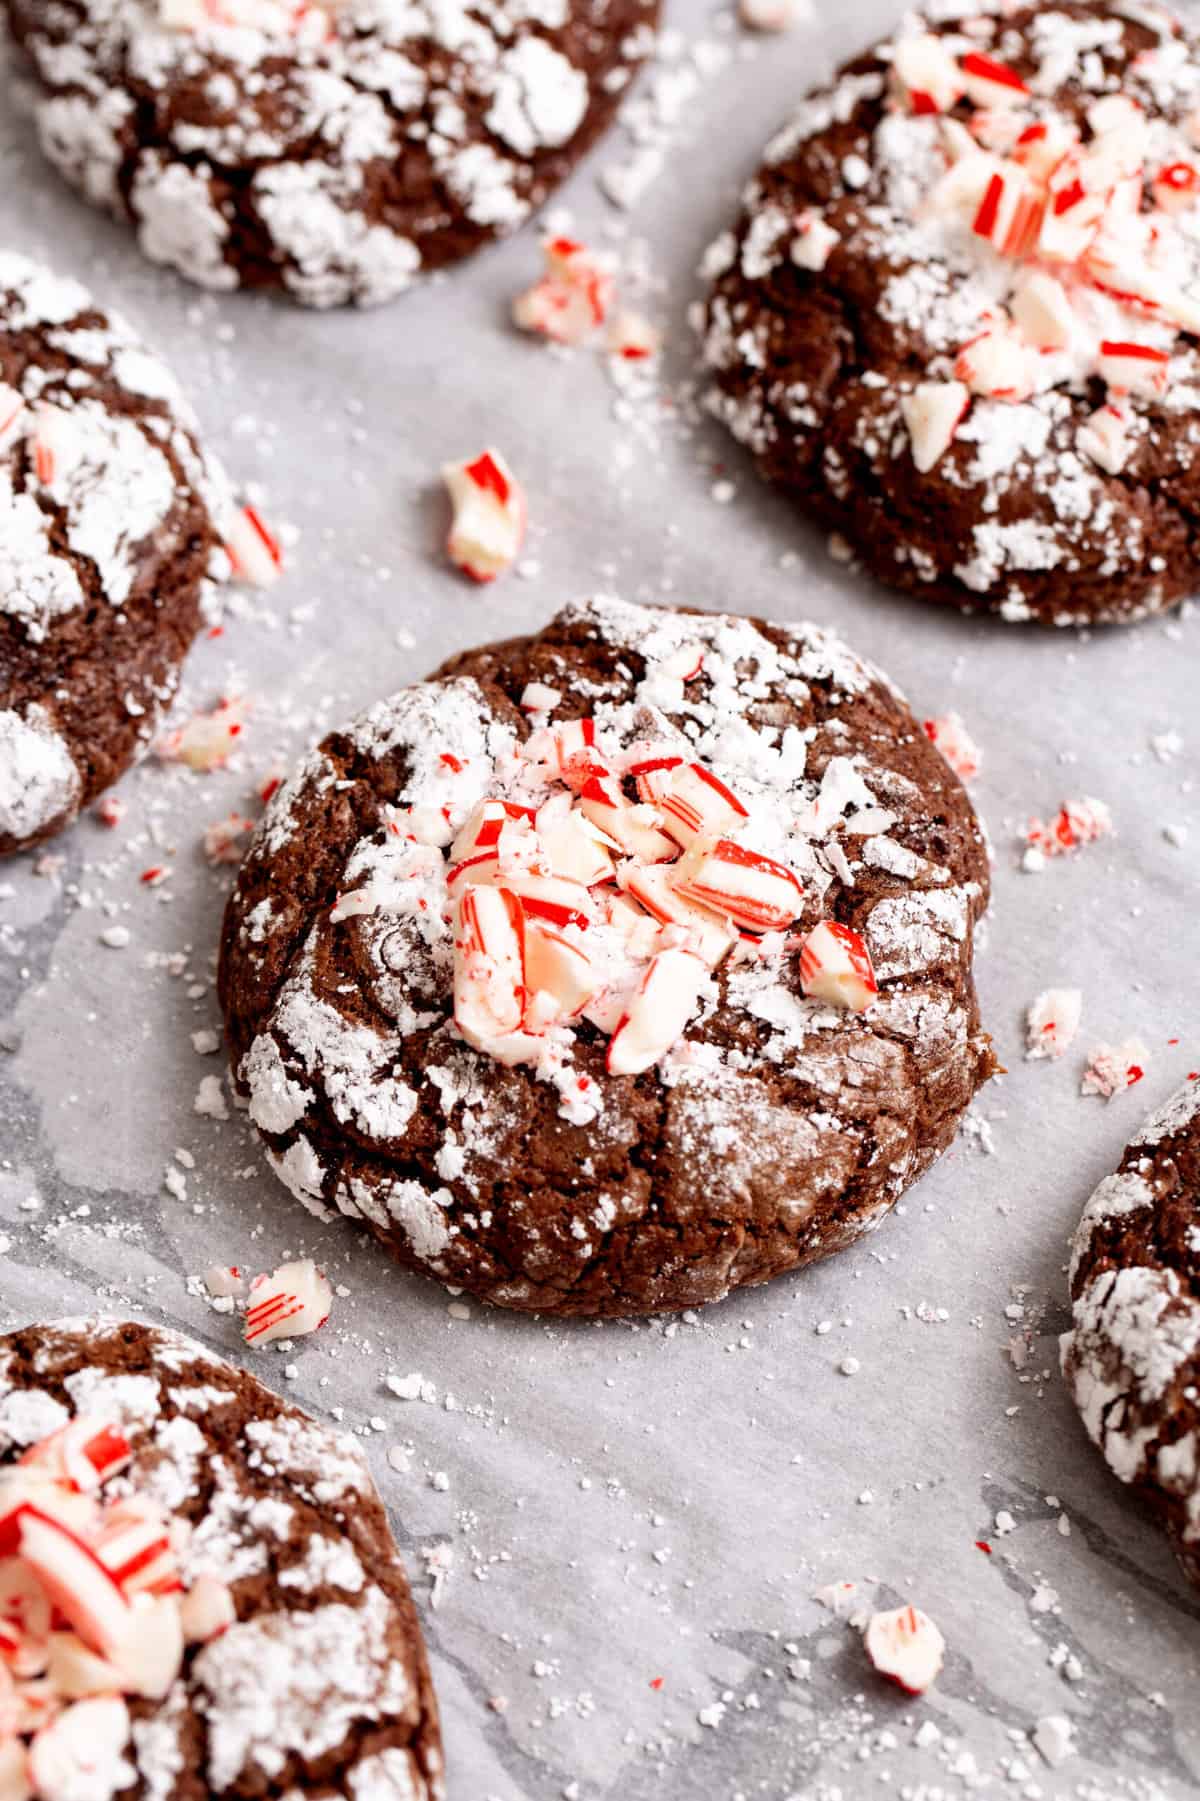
x=574, y=296
x=489, y=965
x=996, y=364
x=1111, y=1069
x=633, y=337
x=933, y=413
x=110, y=810
x=1077, y=822
x=254, y=551
x=207, y=1609
x=990, y=83
x=1105, y=438
x=294, y=1300
x=79, y=1756
x=539, y=697
x=753, y=890
x=1042, y=311
x=835, y=966
x=225, y=1281
x=208, y=740
x=1177, y=187
x=488, y=527
x=949, y=735
x=13, y=416
x=1052, y=1021
x=658, y=1012
x=768, y=15
x=815, y=241
x=223, y=839
x=927, y=73
x=1132, y=368
x=906, y=1647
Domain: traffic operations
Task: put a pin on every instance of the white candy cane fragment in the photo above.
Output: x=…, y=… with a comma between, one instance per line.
x=482, y=829
x=55, y=444
x=948, y=734
x=573, y=298
x=13, y=418
x=1177, y=187
x=1111, y=1069
x=1077, y=822
x=294, y=1300
x=1130, y=368
x=697, y=802
x=1042, y=311
x=254, y=551
x=79, y=1755
x=75, y=1581
x=539, y=697
x=1009, y=214
x=553, y=900
x=559, y=970
x=996, y=364
x=711, y=937
x=152, y=1654
x=134, y=1545
x=576, y=849
x=1052, y=1021
x=926, y=73
x=1041, y=147
x=814, y=242
x=658, y=1012
x=207, y=1610
x=488, y=527
x=906, y=1647
x=489, y=965
x=768, y=15
x=933, y=413
x=743, y=885
x=82, y=1455
x=16, y=1781
x=990, y=83
x=1105, y=438
x=208, y=740
x=224, y=1282
x=632, y=337
x=224, y=839
x=634, y=828
x=835, y=966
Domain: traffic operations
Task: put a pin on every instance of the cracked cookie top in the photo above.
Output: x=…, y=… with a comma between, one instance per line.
x=229, y=1614
x=957, y=317
x=111, y=524
x=335, y=150
x=1132, y=1356
x=614, y=967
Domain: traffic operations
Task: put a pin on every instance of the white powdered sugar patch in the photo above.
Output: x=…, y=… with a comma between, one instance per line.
x=39, y=781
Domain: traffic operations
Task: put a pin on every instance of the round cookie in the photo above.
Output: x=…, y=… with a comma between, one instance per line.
x=956, y=319
x=335, y=151
x=226, y=1557
x=680, y=1108
x=1132, y=1356
x=111, y=523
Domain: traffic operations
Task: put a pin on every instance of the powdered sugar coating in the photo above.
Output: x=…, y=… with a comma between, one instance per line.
x=323, y=1674
x=1032, y=510
x=110, y=520
x=338, y=166
x=370, y=1101
x=1132, y=1356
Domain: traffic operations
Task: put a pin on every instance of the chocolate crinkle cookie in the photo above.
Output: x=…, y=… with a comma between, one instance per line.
x=613, y=968
x=957, y=319
x=111, y=525
x=335, y=150
x=1132, y=1356
x=199, y=1592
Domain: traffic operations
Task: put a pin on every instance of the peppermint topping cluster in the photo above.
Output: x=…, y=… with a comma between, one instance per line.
x=93, y=1608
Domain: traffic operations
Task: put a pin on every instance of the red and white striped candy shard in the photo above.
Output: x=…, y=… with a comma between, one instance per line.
x=933, y=413
x=55, y=443
x=208, y=740
x=906, y=1647
x=1132, y=368
x=1076, y=823
x=949, y=735
x=632, y=337
x=752, y=890
x=488, y=527
x=996, y=364
x=254, y=551
x=79, y=1755
x=991, y=83
x=25, y=1620
x=814, y=242
x=558, y=969
x=927, y=73
x=74, y=1580
x=134, y=1545
x=574, y=296
x=110, y=810
x=658, y=1012
x=223, y=840
x=489, y=965
x=1105, y=438
x=632, y=827
x=207, y=1610
x=711, y=937
x=1052, y=1022
x=13, y=416
x=82, y=1455
x=835, y=966
x=292, y=1301
x=696, y=803
x=152, y=1654
x=651, y=772
x=550, y=899
x=482, y=829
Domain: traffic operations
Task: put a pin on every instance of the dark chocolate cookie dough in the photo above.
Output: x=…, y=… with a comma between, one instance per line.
x=711, y=1104
x=256, y=1626
x=335, y=151
x=1132, y=1356
x=109, y=532
x=956, y=319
